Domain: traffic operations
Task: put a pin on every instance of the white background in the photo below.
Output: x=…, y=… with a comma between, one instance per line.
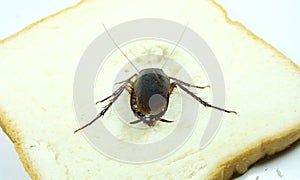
x=276, y=21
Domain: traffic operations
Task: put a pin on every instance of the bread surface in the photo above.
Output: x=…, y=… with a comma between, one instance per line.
x=37, y=69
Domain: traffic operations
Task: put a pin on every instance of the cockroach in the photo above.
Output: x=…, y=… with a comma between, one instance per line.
x=149, y=90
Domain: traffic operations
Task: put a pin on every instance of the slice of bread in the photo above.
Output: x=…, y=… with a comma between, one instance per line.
x=38, y=66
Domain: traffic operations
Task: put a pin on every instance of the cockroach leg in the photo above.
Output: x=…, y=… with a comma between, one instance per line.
x=113, y=97
x=187, y=84
x=129, y=89
x=116, y=92
x=104, y=99
x=137, y=121
x=171, y=88
x=166, y=121
x=119, y=89
x=201, y=101
x=131, y=82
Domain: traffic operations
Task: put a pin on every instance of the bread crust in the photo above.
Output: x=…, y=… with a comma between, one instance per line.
x=240, y=164
x=237, y=165
x=14, y=135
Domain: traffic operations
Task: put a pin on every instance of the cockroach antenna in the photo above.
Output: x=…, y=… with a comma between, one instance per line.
x=109, y=35
x=181, y=35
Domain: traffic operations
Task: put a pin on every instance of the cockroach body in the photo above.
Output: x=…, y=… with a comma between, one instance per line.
x=149, y=96
x=149, y=90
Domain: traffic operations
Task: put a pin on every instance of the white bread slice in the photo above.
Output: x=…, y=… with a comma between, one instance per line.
x=37, y=68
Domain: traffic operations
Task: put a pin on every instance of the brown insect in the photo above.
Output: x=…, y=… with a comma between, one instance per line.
x=149, y=90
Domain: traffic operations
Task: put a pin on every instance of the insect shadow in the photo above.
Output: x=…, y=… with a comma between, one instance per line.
x=150, y=90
